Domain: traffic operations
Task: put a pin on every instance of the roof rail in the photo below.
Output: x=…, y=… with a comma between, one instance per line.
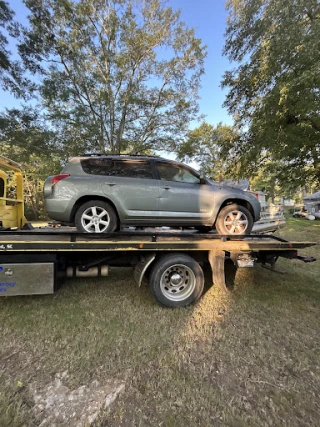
x=90, y=155
x=116, y=155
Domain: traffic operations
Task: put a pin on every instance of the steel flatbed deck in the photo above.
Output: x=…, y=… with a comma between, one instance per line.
x=60, y=241
x=32, y=261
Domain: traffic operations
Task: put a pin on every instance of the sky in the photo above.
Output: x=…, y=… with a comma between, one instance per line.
x=208, y=18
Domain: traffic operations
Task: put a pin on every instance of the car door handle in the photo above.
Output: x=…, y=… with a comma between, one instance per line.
x=166, y=187
x=111, y=184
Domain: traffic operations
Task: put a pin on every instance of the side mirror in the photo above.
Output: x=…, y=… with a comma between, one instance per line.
x=203, y=179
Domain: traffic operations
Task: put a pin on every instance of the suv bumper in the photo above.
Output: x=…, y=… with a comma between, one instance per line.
x=59, y=210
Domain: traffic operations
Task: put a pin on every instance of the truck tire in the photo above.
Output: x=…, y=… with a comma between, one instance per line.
x=176, y=280
x=96, y=216
x=234, y=220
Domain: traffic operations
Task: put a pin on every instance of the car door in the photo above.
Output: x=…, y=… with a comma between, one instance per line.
x=133, y=189
x=182, y=198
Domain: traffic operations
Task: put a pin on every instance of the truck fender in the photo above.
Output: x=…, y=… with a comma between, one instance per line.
x=142, y=266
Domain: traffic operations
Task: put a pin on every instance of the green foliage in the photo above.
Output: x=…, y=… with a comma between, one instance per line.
x=11, y=71
x=118, y=76
x=274, y=90
x=6, y=17
x=266, y=180
x=210, y=147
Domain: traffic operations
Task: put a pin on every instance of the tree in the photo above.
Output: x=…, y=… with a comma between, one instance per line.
x=11, y=72
x=120, y=74
x=274, y=90
x=210, y=147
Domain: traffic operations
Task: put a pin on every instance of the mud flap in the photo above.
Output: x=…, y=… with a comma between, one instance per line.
x=141, y=267
x=217, y=261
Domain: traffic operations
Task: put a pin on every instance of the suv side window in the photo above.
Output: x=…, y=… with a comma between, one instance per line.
x=177, y=173
x=97, y=166
x=132, y=168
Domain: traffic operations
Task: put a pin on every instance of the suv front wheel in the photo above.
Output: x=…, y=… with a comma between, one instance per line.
x=234, y=219
x=96, y=216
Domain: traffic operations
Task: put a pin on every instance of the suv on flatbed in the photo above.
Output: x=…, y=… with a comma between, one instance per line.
x=102, y=193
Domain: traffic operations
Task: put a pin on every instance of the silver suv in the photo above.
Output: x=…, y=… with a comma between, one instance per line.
x=102, y=193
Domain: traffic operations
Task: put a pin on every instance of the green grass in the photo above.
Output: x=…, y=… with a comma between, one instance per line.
x=245, y=359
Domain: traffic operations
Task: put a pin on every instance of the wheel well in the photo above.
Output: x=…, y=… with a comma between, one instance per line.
x=198, y=256
x=241, y=202
x=85, y=199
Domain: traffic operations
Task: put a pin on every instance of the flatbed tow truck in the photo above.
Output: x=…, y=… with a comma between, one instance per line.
x=37, y=261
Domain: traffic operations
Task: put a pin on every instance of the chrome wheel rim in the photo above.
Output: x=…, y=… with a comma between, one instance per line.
x=177, y=282
x=236, y=222
x=95, y=220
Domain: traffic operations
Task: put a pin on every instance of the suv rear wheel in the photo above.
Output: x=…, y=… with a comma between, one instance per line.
x=234, y=219
x=96, y=216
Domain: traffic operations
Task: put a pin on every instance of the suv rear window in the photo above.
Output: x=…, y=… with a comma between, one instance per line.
x=97, y=166
x=132, y=168
x=114, y=167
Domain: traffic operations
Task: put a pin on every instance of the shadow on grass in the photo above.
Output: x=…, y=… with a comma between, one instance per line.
x=94, y=328
x=90, y=324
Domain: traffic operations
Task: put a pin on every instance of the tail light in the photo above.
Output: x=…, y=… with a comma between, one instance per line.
x=58, y=178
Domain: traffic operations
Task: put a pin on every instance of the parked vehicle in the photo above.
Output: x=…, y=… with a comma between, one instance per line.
x=102, y=193
x=312, y=204
x=272, y=215
x=300, y=212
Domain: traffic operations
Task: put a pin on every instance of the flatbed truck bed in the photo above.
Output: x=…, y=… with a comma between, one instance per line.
x=36, y=261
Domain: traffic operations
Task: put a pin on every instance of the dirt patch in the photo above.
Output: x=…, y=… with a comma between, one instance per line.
x=57, y=405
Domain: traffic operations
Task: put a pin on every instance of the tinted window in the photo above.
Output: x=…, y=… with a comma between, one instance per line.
x=96, y=166
x=169, y=172
x=132, y=168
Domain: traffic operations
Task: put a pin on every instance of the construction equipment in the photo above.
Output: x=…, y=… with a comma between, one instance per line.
x=11, y=209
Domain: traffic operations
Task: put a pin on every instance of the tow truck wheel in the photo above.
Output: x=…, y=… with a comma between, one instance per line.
x=176, y=280
x=234, y=219
x=96, y=216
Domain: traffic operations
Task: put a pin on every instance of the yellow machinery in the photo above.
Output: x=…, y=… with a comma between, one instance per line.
x=11, y=209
